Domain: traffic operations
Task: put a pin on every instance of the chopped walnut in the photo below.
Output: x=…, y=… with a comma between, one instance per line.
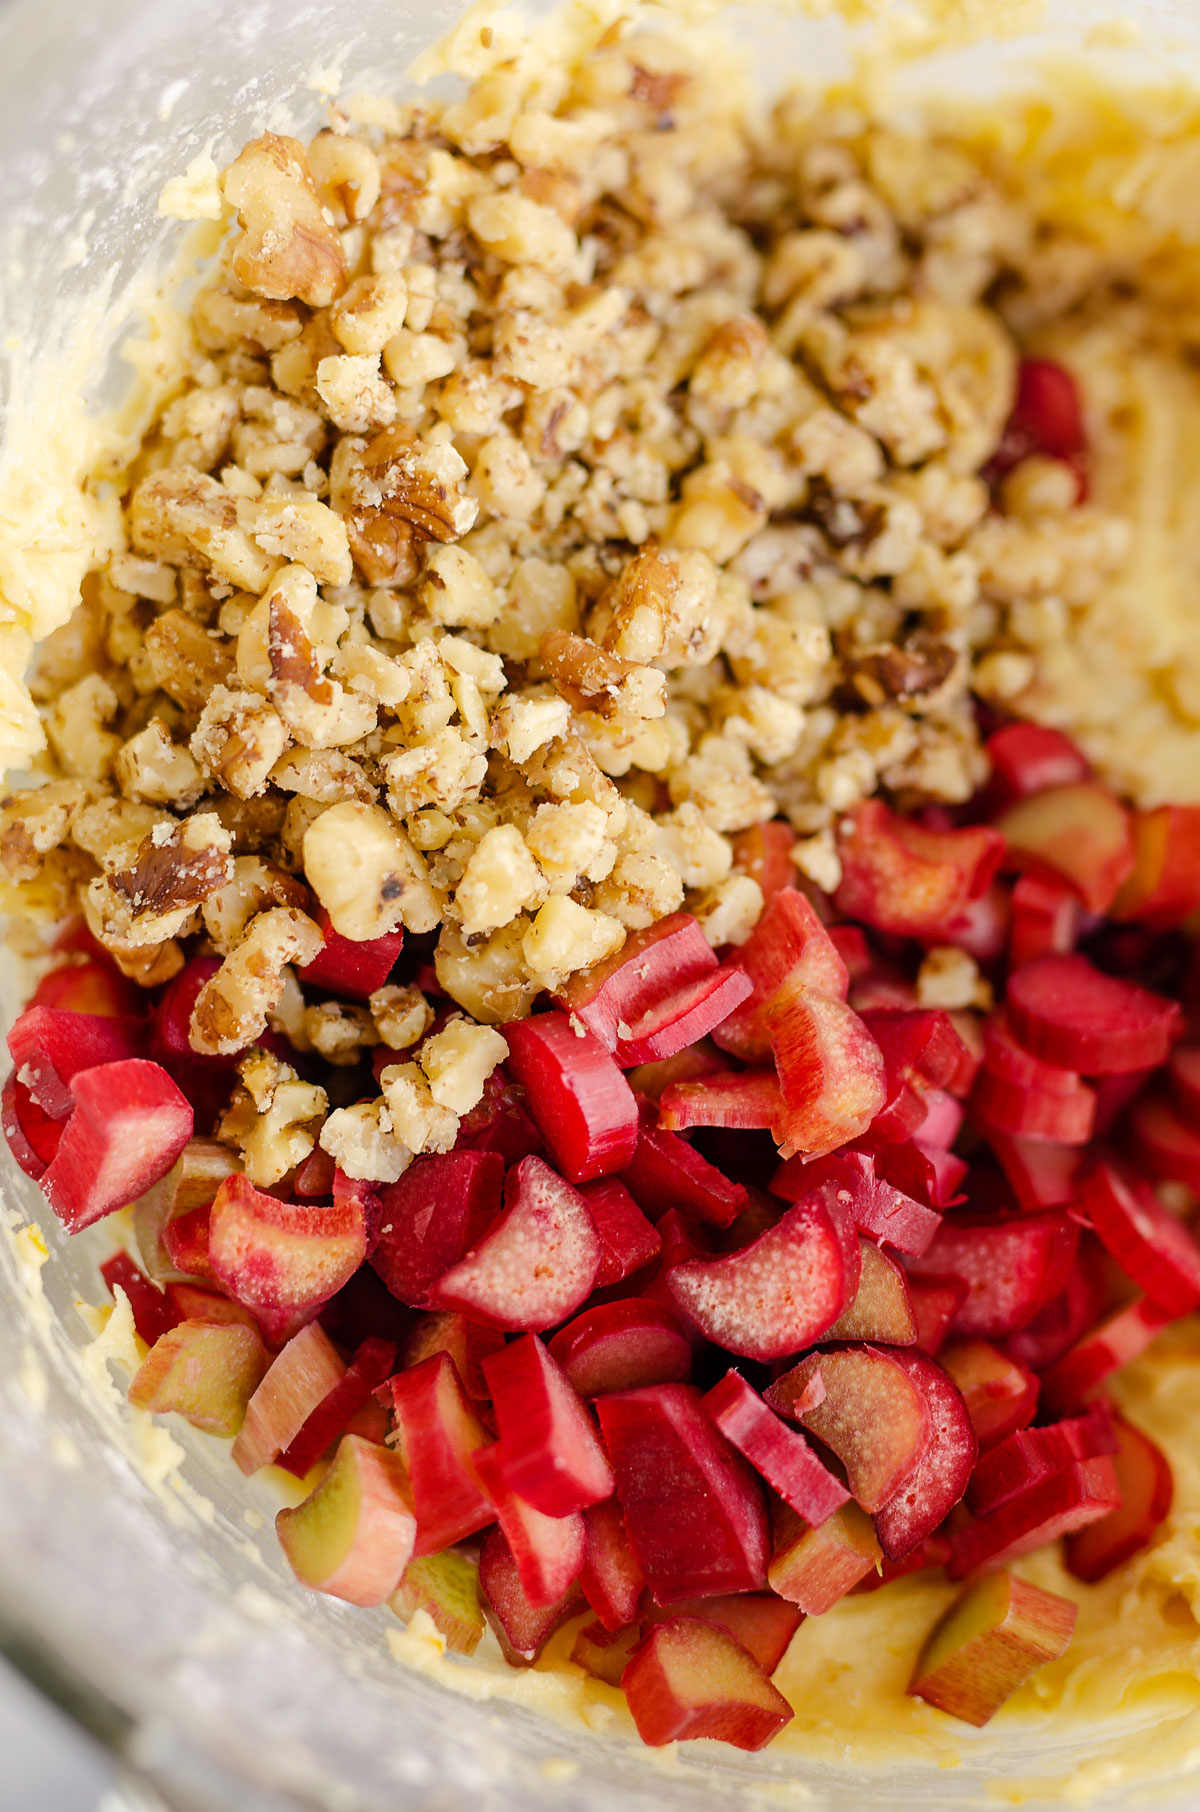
x=287, y=248
x=501, y=880
x=287, y=1114
x=402, y=1016
x=175, y=870
x=153, y=768
x=339, y=1033
x=238, y=740
x=418, y=1121
x=188, y=518
x=186, y=660
x=950, y=978
x=35, y=822
x=457, y=1062
x=231, y=1010
x=362, y=1143
x=253, y=886
x=366, y=873
x=565, y=937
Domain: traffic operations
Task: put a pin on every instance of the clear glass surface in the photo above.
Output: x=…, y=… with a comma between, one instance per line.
x=167, y=1627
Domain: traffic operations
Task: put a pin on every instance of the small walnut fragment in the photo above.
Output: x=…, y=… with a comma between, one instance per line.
x=366, y=873
x=287, y=249
x=592, y=680
x=231, y=1010
x=186, y=660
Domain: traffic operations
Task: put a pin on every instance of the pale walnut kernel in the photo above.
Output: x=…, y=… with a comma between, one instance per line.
x=35, y=822
x=231, y=1009
x=186, y=660
x=501, y=880
x=699, y=855
x=186, y=517
x=402, y=1015
x=457, y=1062
x=528, y=721
x=950, y=979
x=566, y=936
x=76, y=729
x=287, y=248
x=457, y=590
x=366, y=873
x=729, y=911
x=443, y=772
x=570, y=842
x=339, y=1032
x=590, y=679
x=355, y=394
x=302, y=529
x=253, y=886
x=238, y=740
x=641, y=888
x=288, y=1114
x=346, y=172
x=152, y=768
x=361, y=1142
x=488, y=978
x=370, y=313
x=418, y=1121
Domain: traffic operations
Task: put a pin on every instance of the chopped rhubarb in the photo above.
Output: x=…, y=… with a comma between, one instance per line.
x=778, y=1454
x=1062, y=1111
x=1164, y=887
x=652, y=967
x=353, y=1536
x=1124, y=1336
x=627, y=1239
x=1147, y=1490
x=935, y=1301
x=611, y=1579
x=742, y=1100
x=467, y=1342
x=764, y=852
x=1032, y=1454
x=623, y=1345
x=537, y=1263
x=779, y=1294
x=931, y=1491
x=1080, y=832
x=666, y=1172
x=1055, y=1329
x=549, y=1451
x=348, y=967
x=907, y=880
x=440, y=1207
x=1047, y=414
x=944, y=1117
x=191, y=1183
x=1012, y=1266
x=49, y=1045
x=873, y=1415
x=1000, y=1395
x=789, y=944
x=690, y=1678
x=446, y=1587
x=763, y=1623
x=128, y=1125
x=830, y=1069
x=988, y=1644
x=1047, y=917
x=521, y=1628
x=89, y=987
x=881, y=1309
x=604, y=1654
x=32, y=1136
x=299, y=1379
x=700, y=1007
x=1153, y=1248
x=549, y=1550
x=649, y=1080
x=439, y=1438
x=281, y=1260
x=185, y=1242
x=814, y=1568
x=196, y=1302
x=1183, y=1077
x=920, y=1172
x=582, y=1105
x=872, y=1206
x=498, y=1122
x=693, y=1509
x=1066, y=1501
x=1040, y=1174
x=1066, y=1012
x=1165, y=1142
x=341, y=1406
x=153, y=1314
x=203, y=1372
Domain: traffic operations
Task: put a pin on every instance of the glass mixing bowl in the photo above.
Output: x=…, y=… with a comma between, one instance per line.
x=155, y=1604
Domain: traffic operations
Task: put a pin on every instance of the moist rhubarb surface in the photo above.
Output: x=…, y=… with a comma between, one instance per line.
x=642, y=1077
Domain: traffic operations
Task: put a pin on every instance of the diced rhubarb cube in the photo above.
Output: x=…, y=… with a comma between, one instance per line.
x=281, y=1260
x=881, y=1309
x=153, y=1315
x=498, y=1122
x=931, y=1491
x=742, y=1100
x=299, y=1379
x=1064, y=1116
x=1164, y=1141
x=1067, y=1013
x=764, y=852
x=467, y=1342
x=1153, y=1248
x=611, y=1580
x=1047, y=917
x=652, y=966
x=353, y=1536
x=763, y=1623
x=627, y=1239
x=195, y=1302
x=1000, y=1395
x=49, y=1045
x=347, y=966
x=537, y=1263
x=1147, y=1490
x=441, y=1206
x=689, y=1678
x=988, y=1644
x=190, y=1184
x=1164, y=887
x=128, y=1125
x=1030, y=758
x=830, y=1069
x=1032, y=1454
x=582, y=1105
x=1012, y=1266
x=1081, y=832
x=778, y=1454
x=440, y=1438
x=814, y=1568
x=907, y=880
x=873, y=1415
x=789, y=944
x=446, y=1587
x=1059, y=1505
x=935, y=1300
x=870, y=1205
x=549, y=1452
x=693, y=1509
x=341, y=1407
x=87, y=987
x=185, y=1242
x=779, y=1294
x=623, y=1345
x=649, y=1080
x=944, y=1116
x=605, y=1653
x=920, y=1172
x=522, y=1629
x=32, y=1136
x=1120, y=1338
x=681, y=1019
x=1055, y=1329
x=204, y=1373
x=1183, y=1078
x=1041, y=1174
x=549, y=1550
x=665, y=1172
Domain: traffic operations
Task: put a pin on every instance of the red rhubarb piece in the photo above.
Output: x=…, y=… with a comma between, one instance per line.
x=1047, y=917
x=689, y=1678
x=440, y=1439
x=693, y=1509
x=1164, y=887
x=935, y=1302
x=907, y=880
x=186, y=1240
x=944, y=1116
x=882, y=1309
x=1000, y=1395
x=1055, y=1329
x=195, y=1302
x=1059, y=1505
x=1119, y=1339
x=1012, y=1266
x=49, y=1045
x=623, y=1345
x=605, y=1653
x=763, y=1623
x=337, y=1411
x=1032, y=1454
x=779, y=1294
x=741, y=1100
x=153, y=1314
x=1150, y=1245
x=351, y=967
x=1041, y=1174
x=931, y=1491
x=815, y=1568
x=1183, y=1078
x=1031, y=1113
x=871, y=1205
x=627, y=1239
x=1147, y=1490
x=538, y=1262
x=666, y=1172
x=549, y=1550
x=581, y=1103
x=873, y=1415
x=32, y=1136
x=830, y=1069
x=1030, y=758
x=429, y=1219
x=88, y=987
x=281, y=1260
x=498, y=1122
x=297, y=1381
x=682, y=1018
x=611, y=1579
x=128, y=1125
x=467, y=1342
x=1164, y=1141
x=651, y=967
x=549, y=1451
x=924, y=1173
x=1069, y=1014
x=521, y=1628
x=777, y=1453
x=1048, y=412
x=1081, y=832
x=988, y=1643
x=789, y=944
x=649, y=1080
x=764, y=852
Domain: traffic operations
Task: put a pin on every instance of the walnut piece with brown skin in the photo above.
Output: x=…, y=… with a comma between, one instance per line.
x=231, y=1009
x=288, y=250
